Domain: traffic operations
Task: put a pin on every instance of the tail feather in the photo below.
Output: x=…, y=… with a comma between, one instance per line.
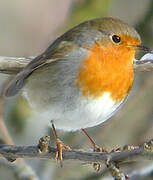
x=19, y=81
x=16, y=84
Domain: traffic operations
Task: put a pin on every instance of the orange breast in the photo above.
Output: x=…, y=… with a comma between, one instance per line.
x=107, y=69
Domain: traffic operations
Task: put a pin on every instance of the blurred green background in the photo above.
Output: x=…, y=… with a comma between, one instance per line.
x=27, y=27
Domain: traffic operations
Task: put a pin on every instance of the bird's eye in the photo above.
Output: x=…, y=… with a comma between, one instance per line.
x=116, y=39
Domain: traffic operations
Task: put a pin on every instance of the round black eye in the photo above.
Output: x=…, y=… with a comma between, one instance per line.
x=116, y=39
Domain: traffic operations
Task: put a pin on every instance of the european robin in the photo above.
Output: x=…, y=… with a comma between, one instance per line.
x=83, y=77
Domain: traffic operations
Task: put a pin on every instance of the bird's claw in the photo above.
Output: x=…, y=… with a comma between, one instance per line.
x=59, y=151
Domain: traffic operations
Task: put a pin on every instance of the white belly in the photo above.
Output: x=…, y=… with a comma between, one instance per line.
x=86, y=113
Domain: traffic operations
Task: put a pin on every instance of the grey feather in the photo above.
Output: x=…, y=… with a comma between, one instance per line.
x=16, y=84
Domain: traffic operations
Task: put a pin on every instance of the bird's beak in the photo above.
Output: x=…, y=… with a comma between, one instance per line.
x=143, y=49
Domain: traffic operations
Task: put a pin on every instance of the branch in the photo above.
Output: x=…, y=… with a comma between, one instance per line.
x=142, y=152
x=12, y=65
x=43, y=151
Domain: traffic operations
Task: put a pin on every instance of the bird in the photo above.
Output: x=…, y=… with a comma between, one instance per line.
x=83, y=78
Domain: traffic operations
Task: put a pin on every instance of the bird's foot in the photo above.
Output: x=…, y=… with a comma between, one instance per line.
x=96, y=166
x=59, y=151
x=60, y=146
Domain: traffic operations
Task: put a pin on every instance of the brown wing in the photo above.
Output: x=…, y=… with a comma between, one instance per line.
x=49, y=56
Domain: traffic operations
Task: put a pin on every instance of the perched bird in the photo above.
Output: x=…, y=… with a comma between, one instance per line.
x=83, y=77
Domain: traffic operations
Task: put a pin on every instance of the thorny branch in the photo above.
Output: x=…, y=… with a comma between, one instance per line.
x=111, y=160
x=12, y=65
x=142, y=152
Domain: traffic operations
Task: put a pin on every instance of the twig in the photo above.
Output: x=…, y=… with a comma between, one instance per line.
x=3, y=128
x=12, y=65
x=20, y=172
x=143, y=65
x=20, y=169
x=142, y=173
x=116, y=173
x=136, y=174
